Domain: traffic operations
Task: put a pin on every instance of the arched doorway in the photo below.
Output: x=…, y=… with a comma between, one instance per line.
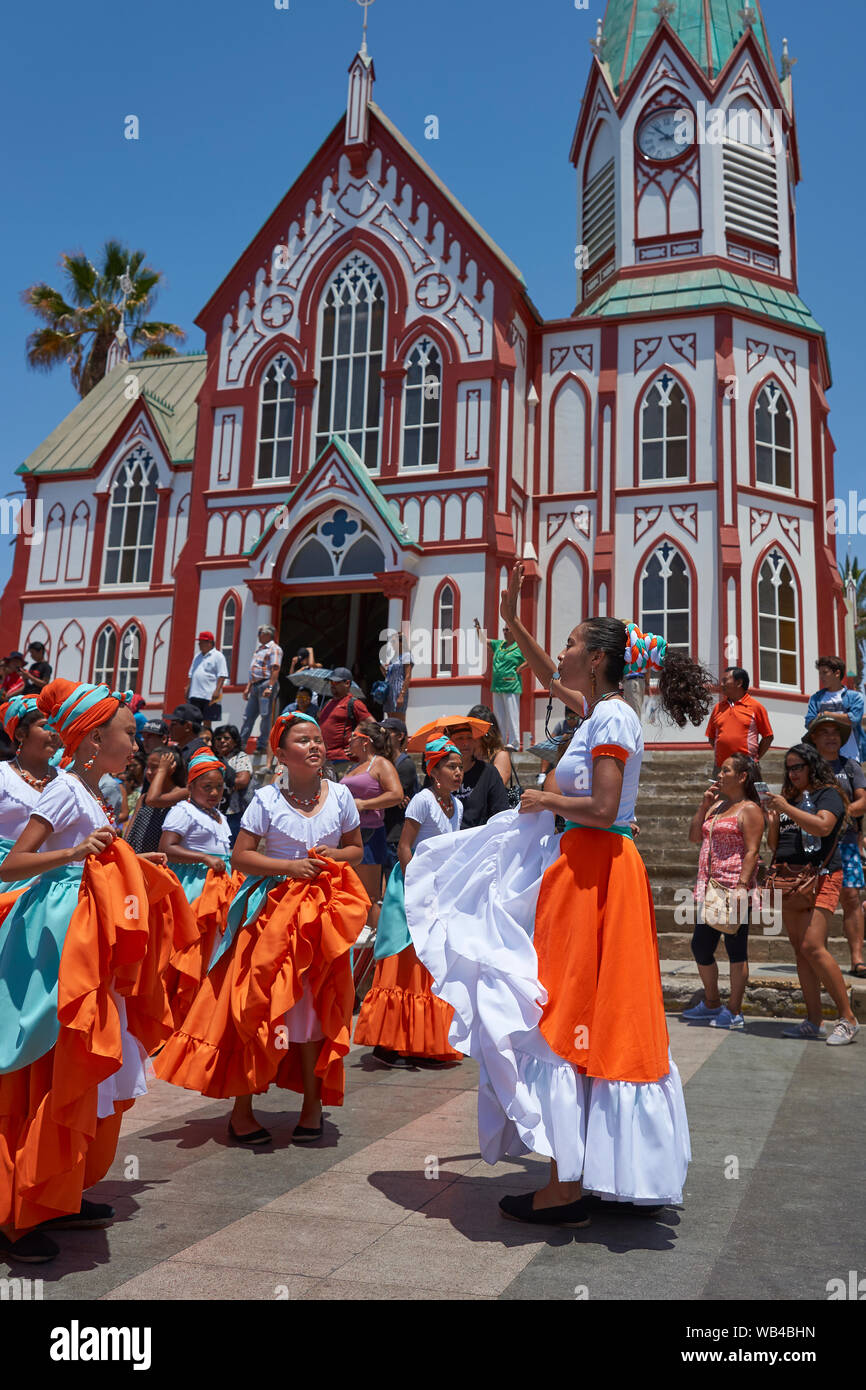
x=342, y=628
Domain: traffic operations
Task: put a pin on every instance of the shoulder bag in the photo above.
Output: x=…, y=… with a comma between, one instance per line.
x=722, y=906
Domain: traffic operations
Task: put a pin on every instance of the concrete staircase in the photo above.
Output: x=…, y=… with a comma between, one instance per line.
x=672, y=784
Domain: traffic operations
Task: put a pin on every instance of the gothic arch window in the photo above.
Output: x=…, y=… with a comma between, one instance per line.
x=132, y=521
x=78, y=529
x=227, y=631
x=51, y=544
x=422, y=406
x=777, y=609
x=774, y=437
x=129, y=660
x=666, y=596
x=664, y=431
x=352, y=335
x=276, y=420
x=446, y=620
x=105, y=656
x=70, y=652
x=749, y=172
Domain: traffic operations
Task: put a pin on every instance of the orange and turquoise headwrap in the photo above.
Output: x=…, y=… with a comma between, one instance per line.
x=643, y=651
x=437, y=749
x=283, y=722
x=14, y=710
x=74, y=710
x=204, y=761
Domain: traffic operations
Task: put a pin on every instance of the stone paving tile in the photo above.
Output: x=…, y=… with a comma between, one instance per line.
x=450, y=1260
x=775, y=1280
x=286, y=1244
x=406, y=1158
x=340, y=1194
x=201, y=1282
x=343, y=1290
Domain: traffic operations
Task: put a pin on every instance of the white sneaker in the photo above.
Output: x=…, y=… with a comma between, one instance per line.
x=843, y=1033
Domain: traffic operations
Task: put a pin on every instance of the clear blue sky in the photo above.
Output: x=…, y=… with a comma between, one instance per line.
x=234, y=96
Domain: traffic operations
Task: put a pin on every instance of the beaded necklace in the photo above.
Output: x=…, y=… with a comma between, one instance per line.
x=37, y=783
x=97, y=796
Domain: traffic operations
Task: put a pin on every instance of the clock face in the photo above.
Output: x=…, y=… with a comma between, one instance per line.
x=666, y=134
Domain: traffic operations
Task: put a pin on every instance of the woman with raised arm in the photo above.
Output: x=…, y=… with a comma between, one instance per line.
x=401, y=1019
x=547, y=950
x=80, y=998
x=276, y=1005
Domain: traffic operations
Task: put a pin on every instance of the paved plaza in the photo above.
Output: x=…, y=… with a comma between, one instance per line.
x=396, y=1202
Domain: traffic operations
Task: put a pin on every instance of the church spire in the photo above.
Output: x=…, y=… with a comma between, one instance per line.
x=362, y=75
x=710, y=30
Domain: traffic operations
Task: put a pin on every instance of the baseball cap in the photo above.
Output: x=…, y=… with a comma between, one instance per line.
x=185, y=714
x=15, y=656
x=394, y=724
x=155, y=726
x=205, y=637
x=341, y=673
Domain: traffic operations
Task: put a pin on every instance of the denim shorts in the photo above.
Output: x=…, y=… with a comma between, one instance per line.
x=375, y=842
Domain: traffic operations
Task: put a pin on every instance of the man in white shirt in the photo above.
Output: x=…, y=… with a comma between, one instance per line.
x=207, y=676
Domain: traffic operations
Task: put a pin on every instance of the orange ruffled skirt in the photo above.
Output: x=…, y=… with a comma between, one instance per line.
x=401, y=1014
x=131, y=929
x=234, y=1040
x=595, y=938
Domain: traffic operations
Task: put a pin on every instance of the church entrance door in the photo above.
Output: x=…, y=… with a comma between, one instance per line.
x=343, y=630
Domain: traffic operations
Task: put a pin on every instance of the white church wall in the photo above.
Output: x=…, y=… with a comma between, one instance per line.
x=473, y=424
x=686, y=348
x=759, y=354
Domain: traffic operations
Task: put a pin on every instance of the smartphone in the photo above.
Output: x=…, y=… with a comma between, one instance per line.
x=762, y=790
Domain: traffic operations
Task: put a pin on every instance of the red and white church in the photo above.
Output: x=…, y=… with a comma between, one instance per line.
x=381, y=422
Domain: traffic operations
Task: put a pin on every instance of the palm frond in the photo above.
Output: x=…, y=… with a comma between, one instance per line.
x=155, y=332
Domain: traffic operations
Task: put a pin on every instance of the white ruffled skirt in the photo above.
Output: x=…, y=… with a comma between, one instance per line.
x=470, y=906
x=130, y=1081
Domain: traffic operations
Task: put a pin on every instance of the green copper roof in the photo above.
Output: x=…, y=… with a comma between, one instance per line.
x=697, y=289
x=169, y=386
x=366, y=485
x=710, y=30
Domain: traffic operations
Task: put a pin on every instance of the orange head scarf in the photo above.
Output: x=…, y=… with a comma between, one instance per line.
x=285, y=721
x=75, y=710
x=204, y=761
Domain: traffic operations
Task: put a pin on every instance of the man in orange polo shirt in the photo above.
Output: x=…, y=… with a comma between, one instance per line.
x=739, y=723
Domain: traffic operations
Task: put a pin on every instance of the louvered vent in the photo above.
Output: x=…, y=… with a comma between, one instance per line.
x=751, y=193
x=599, y=213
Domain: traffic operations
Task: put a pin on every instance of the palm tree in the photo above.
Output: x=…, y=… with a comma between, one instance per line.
x=81, y=332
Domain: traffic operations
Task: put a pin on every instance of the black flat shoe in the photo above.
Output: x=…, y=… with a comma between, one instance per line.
x=302, y=1134
x=32, y=1249
x=573, y=1214
x=435, y=1063
x=393, y=1059
x=258, y=1136
x=90, y=1216
x=621, y=1208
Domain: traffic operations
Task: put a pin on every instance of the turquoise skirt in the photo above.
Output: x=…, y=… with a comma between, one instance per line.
x=392, y=933
x=31, y=943
x=191, y=877
x=5, y=846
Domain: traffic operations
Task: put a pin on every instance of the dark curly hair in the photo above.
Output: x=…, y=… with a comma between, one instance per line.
x=492, y=741
x=821, y=773
x=686, y=688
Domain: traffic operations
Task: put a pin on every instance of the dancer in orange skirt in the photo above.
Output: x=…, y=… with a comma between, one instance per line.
x=546, y=945
x=401, y=1019
x=276, y=1006
x=81, y=996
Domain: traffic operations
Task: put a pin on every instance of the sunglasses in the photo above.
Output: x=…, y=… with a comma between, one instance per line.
x=794, y=767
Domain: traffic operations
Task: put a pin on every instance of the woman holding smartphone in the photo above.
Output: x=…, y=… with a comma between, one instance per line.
x=806, y=821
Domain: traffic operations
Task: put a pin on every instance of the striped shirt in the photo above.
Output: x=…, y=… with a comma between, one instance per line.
x=267, y=660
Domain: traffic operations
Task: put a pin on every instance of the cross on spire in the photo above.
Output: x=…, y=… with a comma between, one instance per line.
x=787, y=61
x=747, y=15
x=365, y=5
x=664, y=9
x=599, y=43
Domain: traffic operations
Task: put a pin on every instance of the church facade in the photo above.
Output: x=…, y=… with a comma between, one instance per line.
x=381, y=421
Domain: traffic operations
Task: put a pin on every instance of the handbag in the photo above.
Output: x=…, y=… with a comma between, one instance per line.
x=801, y=883
x=721, y=905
